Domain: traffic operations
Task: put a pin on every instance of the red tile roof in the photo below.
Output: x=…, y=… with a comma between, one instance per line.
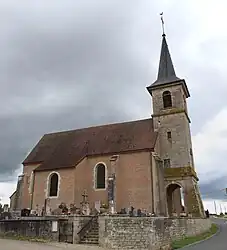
x=67, y=149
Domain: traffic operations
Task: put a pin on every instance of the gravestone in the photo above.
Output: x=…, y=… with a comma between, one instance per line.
x=85, y=209
x=97, y=206
x=6, y=208
x=48, y=208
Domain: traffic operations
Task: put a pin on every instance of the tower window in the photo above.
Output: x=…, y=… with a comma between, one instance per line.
x=169, y=135
x=167, y=99
x=166, y=163
x=100, y=172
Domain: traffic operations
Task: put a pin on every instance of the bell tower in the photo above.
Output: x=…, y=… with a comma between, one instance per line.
x=171, y=120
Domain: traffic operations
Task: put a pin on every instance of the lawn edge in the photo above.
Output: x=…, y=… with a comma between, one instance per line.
x=198, y=242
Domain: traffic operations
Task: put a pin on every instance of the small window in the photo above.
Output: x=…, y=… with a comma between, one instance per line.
x=166, y=163
x=169, y=135
x=191, y=152
x=167, y=99
x=53, y=185
x=100, y=176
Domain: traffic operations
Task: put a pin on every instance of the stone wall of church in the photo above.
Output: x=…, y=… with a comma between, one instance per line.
x=178, y=148
x=133, y=180
x=26, y=198
x=147, y=233
x=133, y=183
x=175, y=120
x=177, y=98
x=66, y=189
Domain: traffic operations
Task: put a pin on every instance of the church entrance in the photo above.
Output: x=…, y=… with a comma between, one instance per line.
x=175, y=200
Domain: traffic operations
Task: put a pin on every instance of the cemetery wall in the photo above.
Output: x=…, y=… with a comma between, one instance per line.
x=38, y=227
x=147, y=232
x=46, y=228
x=115, y=232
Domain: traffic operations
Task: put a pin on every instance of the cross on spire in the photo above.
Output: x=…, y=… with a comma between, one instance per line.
x=166, y=72
x=163, y=28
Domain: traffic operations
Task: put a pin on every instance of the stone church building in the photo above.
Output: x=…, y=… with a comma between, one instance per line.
x=147, y=164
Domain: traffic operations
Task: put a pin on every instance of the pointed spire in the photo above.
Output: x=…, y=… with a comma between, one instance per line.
x=166, y=72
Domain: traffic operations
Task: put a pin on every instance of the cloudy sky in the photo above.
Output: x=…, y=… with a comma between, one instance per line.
x=69, y=64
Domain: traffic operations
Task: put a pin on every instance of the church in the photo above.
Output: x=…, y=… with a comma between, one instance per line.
x=147, y=164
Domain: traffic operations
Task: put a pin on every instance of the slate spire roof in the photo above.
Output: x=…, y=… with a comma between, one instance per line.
x=166, y=72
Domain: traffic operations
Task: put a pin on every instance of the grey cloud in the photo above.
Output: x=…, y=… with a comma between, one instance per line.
x=24, y=132
x=214, y=189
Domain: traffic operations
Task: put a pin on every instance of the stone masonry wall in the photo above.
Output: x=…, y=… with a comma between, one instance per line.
x=30, y=227
x=146, y=232
x=173, y=120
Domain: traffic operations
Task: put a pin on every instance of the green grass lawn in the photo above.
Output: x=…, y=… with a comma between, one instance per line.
x=189, y=240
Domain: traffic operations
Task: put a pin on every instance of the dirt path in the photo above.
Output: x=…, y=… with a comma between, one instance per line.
x=23, y=245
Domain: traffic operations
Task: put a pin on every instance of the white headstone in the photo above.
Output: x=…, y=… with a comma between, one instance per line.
x=88, y=211
x=97, y=205
x=54, y=226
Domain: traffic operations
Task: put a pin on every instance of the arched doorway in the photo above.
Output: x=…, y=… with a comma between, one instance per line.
x=175, y=199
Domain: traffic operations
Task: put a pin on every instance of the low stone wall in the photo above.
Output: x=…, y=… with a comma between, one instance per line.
x=38, y=227
x=42, y=227
x=147, y=232
x=115, y=232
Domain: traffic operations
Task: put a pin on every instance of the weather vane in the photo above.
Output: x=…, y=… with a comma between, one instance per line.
x=163, y=30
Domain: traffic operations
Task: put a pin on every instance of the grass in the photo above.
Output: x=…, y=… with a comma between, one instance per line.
x=189, y=240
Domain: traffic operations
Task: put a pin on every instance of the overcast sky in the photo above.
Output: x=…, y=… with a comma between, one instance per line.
x=69, y=64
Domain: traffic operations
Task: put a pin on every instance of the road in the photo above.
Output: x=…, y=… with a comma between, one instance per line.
x=217, y=242
x=24, y=245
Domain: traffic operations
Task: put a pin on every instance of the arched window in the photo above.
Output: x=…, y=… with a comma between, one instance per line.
x=167, y=100
x=100, y=176
x=53, y=185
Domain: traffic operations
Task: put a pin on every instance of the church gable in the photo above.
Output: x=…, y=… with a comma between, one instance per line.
x=67, y=149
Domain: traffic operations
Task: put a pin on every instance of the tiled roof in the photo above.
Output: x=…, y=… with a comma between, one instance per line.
x=67, y=149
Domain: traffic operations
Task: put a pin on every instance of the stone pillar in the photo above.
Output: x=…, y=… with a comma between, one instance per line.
x=202, y=212
x=193, y=203
x=102, y=232
x=112, y=184
x=76, y=228
x=19, y=193
x=177, y=204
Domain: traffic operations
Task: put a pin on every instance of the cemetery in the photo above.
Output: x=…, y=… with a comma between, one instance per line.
x=131, y=228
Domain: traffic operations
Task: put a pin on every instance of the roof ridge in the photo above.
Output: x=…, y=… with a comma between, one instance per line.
x=96, y=126
x=64, y=149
